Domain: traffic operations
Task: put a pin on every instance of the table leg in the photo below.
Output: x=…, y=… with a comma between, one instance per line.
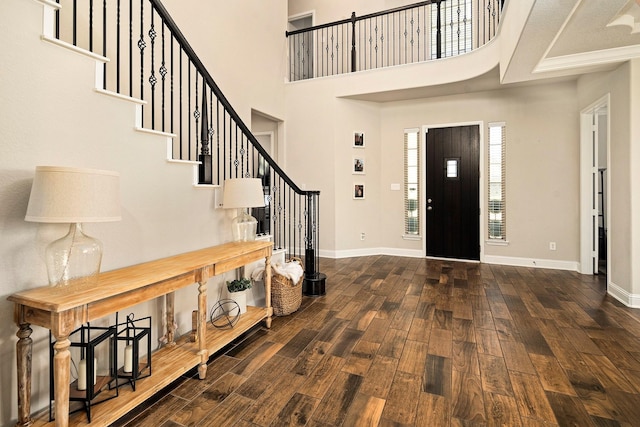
x=61, y=375
x=267, y=289
x=170, y=304
x=24, y=348
x=202, y=329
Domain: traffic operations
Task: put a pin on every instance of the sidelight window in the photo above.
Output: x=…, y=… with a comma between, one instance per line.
x=411, y=182
x=497, y=184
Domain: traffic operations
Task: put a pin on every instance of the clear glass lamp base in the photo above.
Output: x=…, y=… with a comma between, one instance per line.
x=244, y=227
x=74, y=260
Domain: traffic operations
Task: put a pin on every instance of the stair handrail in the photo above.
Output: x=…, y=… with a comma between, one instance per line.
x=182, y=41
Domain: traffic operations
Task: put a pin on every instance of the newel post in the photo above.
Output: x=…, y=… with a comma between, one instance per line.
x=205, y=175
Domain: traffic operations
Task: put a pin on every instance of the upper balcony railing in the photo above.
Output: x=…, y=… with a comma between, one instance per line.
x=418, y=32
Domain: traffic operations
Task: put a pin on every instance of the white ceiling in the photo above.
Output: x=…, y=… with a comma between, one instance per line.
x=573, y=37
x=560, y=40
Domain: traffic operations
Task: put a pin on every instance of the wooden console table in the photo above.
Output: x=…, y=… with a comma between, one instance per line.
x=63, y=310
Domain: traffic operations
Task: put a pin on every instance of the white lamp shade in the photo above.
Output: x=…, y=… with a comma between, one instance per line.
x=243, y=193
x=74, y=195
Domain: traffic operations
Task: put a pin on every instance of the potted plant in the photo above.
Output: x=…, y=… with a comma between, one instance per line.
x=237, y=292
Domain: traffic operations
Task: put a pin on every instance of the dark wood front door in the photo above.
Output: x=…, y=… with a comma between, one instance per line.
x=453, y=192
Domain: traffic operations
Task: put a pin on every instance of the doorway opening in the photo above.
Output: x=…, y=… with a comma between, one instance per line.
x=301, y=64
x=594, y=184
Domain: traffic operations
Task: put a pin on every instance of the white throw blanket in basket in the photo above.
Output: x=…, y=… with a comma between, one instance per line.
x=290, y=270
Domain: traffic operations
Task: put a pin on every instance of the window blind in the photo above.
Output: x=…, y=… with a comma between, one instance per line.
x=411, y=182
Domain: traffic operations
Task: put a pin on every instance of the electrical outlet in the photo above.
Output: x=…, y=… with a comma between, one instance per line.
x=552, y=246
x=361, y=236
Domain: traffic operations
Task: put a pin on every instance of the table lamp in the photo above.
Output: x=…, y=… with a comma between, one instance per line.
x=241, y=194
x=73, y=195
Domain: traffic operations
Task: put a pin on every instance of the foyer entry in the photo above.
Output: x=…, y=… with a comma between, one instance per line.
x=453, y=192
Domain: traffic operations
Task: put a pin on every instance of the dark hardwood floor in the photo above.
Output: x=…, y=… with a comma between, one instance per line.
x=414, y=342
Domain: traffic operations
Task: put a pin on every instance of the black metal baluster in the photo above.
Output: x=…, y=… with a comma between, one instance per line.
x=75, y=23
x=118, y=11
x=91, y=25
x=131, y=48
x=104, y=43
x=171, y=86
x=439, y=30
x=353, y=41
x=152, y=77
x=141, y=46
x=189, y=110
x=180, y=103
x=163, y=74
x=196, y=117
x=218, y=157
x=57, y=20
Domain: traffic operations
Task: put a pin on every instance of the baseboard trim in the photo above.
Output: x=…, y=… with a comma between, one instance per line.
x=630, y=300
x=532, y=262
x=351, y=253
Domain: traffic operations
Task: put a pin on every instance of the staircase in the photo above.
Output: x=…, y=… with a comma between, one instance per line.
x=142, y=56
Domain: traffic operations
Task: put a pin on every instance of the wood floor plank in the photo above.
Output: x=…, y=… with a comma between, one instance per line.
x=398, y=407
x=551, y=374
x=228, y=413
x=207, y=401
x=310, y=357
x=298, y=343
x=530, y=397
x=297, y=411
x=321, y=378
x=467, y=398
x=488, y=342
x=495, y=376
x=516, y=357
x=437, y=375
x=365, y=411
x=413, y=357
x=361, y=358
x=593, y=396
x=463, y=330
x=420, y=330
x=465, y=357
x=440, y=342
x=501, y=410
x=433, y=410
x=333, y=408
x=378, y=380
x=608, y=374
x=268, y=405
x=568, y=410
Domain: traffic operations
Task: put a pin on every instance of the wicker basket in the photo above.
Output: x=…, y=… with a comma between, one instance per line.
x=286, y=296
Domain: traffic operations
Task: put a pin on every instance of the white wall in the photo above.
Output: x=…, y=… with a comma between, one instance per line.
x=542, y=160
x=542, y=169
x=50, y=115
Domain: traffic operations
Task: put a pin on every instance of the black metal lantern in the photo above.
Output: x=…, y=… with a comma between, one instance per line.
x=90, y=347
x=134, y=337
